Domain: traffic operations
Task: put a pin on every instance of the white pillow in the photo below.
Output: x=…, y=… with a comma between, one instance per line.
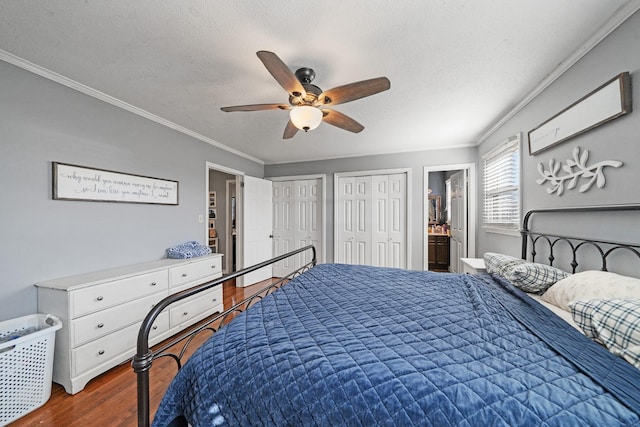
x=500, y=264
x=614, y=323
x=589, y=285
x=533, y=277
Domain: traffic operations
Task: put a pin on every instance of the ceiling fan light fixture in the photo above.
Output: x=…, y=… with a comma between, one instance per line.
x=305, y=117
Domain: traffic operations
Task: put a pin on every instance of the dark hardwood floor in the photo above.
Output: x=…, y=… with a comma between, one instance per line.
x=110, y=399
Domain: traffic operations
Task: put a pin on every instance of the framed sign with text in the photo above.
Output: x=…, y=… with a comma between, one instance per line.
x=73, y=182
x=609, y=101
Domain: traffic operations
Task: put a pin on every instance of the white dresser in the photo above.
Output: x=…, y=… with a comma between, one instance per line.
x=101, y=312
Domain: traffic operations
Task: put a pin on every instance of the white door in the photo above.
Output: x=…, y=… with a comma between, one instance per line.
x=353, y=222
x=297, y=221
x=458, y=240
x=308, y=214
x=283, y=226
x=257, y=228
x=397, y=221
x=389, y=220
x=380, y=223
x=371, y=220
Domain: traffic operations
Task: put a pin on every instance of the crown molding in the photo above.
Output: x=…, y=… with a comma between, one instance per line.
x=614, y=22
x=65, y=81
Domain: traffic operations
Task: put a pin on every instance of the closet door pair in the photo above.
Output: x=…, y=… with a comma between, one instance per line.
x=297, y=221
x=371, y=220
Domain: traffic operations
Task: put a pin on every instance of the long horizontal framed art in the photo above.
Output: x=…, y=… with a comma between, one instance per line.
x=73, y=182
x=609, y=101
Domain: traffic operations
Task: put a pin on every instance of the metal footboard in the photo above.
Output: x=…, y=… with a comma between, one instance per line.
x=144, y=357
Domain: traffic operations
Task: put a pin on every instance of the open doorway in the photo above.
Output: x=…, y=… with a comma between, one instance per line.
x=221, y=226
x=449, y=215
x=231, y=233
x=252, y=221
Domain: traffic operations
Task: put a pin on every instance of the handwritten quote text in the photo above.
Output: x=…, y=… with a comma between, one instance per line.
x=76, y=182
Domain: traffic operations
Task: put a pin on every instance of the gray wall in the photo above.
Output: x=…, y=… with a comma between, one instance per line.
x=616, y=140
x=416, y=161
x=42, y=121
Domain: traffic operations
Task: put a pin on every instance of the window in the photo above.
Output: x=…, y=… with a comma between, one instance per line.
x=501, y=172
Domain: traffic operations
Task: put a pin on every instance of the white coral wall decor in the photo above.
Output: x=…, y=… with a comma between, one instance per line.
x=593, y=173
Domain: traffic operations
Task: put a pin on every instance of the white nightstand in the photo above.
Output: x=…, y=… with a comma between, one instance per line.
x=473, y=266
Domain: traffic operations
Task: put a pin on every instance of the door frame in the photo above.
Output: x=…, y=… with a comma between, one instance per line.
x=238, y=174
x=471, y=208
x=228, y=263
x=406, y=171
x=321, y=257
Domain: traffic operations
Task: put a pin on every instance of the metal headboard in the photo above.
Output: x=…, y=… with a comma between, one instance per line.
x=603, y=247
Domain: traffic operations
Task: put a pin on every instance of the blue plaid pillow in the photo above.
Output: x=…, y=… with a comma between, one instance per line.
x=500, y=264
x=582, y=313
x=616, y=324
x=533, y=277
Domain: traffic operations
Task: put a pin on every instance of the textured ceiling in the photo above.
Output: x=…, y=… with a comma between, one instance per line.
x=456, y=67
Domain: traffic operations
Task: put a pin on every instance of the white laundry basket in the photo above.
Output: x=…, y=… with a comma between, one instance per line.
x=26, y=364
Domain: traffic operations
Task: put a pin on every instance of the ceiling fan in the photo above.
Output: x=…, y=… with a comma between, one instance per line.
x=307, y=102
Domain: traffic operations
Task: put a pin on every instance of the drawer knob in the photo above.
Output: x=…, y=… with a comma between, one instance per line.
x=215, y=299
x=185, y=313
x=100, y=298
x=101, y=352
x=184, y=274
x=153, y=283
x=154, y=328
x=100, y=325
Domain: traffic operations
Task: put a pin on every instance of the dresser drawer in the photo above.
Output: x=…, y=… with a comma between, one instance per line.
x=161, y=325
x=99, y=297
x=105, y=349
x=104, y=322
x=193, y=271
x=195, y=306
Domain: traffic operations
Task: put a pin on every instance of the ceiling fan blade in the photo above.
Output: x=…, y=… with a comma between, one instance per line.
x=256, y=107
x=290, y=130
x=342, y=121
x=281, y=73
x=353, y=91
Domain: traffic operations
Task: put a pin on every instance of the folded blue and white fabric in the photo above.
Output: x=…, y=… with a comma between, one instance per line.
x=191, y=249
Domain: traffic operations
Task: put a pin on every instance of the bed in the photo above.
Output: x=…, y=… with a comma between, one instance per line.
x=356, y=345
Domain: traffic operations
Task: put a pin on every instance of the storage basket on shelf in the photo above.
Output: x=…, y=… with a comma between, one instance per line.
x=26, y=364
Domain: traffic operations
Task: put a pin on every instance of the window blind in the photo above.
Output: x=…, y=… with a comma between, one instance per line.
x=501, y=171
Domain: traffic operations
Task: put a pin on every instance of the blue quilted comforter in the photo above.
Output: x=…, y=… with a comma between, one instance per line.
x=364, y=346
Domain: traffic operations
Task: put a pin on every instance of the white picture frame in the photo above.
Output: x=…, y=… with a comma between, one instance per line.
x=73, y=182
x=607, y=102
